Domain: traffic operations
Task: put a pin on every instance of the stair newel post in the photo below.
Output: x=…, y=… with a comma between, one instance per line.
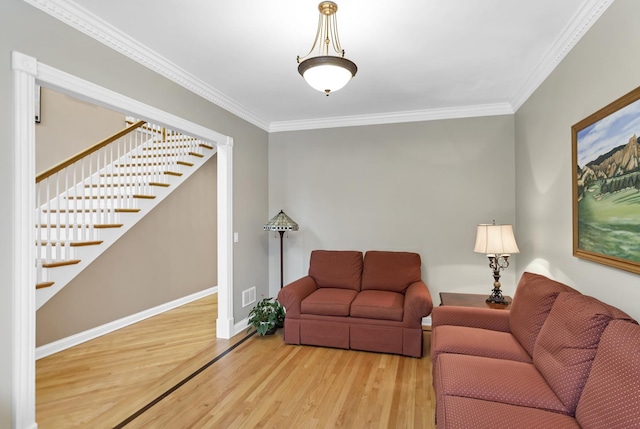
x=67, y=236
x=98, y=202
x=39, y=223
x=128, y=178
x=74, y=225
x=81, y=206
x=111, y=186
x=47, y=226
x=58, y=208
x=119, y=181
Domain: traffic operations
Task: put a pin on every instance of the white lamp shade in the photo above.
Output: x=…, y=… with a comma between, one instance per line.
x=496, y=240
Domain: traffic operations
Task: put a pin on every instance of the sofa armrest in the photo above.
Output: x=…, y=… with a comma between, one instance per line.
x=292, y=294
x=417, y=304
x=485, y=318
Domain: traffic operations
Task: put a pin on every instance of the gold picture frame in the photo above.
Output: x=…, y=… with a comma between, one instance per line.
x=606, y=184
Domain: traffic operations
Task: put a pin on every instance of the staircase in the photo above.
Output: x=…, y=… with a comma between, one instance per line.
x=85, y=203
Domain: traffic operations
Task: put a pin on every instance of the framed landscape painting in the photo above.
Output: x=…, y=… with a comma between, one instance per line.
x=606, y=184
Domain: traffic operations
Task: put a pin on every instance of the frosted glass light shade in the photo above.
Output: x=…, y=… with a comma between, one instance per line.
x=496, y=240
x=327, y=73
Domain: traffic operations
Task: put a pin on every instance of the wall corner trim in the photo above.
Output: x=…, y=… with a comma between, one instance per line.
x=24, y=63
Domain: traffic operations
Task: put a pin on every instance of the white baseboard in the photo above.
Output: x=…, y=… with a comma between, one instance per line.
x=241, y=326
x=426, y=321
x=74, y=340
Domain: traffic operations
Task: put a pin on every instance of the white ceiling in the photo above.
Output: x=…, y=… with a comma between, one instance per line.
x=417, y=59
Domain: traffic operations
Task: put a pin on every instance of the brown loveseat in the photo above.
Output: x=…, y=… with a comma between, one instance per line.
x=376, y=304
x=556, y=359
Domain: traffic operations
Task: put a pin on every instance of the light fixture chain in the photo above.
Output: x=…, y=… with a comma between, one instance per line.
x=334, y=35
x=315, y=41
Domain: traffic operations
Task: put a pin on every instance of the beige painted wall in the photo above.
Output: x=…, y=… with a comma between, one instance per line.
x=34, y=33
x=420, y=187
x=602, y=67
x=69, y=125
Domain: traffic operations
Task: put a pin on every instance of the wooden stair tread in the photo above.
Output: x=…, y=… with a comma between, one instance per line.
x=73, y=243
x=155, y=155
x=206, y=146
x=97, y=225
x=114, y=185
x=142, y=164
x=60, y=263
x=199, y=155
x=99, y=197
x=116, y=210
x=173, y=173
x=44, y=285
x=104, y=185
x=188, y=164
x=140, y=173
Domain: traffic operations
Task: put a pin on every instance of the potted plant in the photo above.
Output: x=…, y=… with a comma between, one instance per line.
x=267, y=316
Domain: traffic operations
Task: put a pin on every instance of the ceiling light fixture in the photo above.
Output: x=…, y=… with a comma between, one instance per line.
x=324, y=72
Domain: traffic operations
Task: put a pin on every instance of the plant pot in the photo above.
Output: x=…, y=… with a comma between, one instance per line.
x=271, y=331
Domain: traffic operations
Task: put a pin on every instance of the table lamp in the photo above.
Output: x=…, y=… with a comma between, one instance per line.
x=497, y=242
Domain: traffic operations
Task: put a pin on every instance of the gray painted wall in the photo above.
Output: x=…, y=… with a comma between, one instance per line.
x=420, y=187
x=602, y=67
x=34, y=33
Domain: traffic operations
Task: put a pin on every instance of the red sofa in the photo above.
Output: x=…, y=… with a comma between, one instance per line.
x=556, y=359
x=373, y=304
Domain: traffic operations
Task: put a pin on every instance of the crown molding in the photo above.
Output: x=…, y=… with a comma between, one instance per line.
x=394, y=117
x=577, y=27
x=79, y=18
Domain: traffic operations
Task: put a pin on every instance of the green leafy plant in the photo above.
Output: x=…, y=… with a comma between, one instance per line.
x=266, y=316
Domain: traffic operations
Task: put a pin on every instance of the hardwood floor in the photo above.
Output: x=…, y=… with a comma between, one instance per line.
x=260, y=383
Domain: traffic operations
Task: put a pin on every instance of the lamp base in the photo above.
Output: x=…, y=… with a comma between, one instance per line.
x=496, y=297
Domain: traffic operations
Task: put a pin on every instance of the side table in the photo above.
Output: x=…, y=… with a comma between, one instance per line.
x=471, y=300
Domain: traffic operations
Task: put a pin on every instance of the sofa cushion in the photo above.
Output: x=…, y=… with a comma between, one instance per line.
x=393, y=271
x=328, y=302
x=378, y=304
x=610, y=397
x=460, y=412
x=568, y=341
x=496, y=380
x=336, y=268
x=476, y=342
x=532, y=303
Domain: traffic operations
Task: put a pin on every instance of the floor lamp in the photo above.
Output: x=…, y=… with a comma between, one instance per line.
x=281, y=223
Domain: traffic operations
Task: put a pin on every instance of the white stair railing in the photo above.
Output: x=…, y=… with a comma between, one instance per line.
x=90, y=191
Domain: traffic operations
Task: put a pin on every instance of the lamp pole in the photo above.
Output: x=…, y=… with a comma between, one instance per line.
x=281, y=263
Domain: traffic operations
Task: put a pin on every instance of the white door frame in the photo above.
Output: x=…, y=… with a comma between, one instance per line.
x=27, y=71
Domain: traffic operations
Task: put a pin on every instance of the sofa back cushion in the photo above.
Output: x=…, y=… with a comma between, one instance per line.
x=568, y=341
x=391, y=271
x=531, y=305
x=336, y=268
x=610, y=397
